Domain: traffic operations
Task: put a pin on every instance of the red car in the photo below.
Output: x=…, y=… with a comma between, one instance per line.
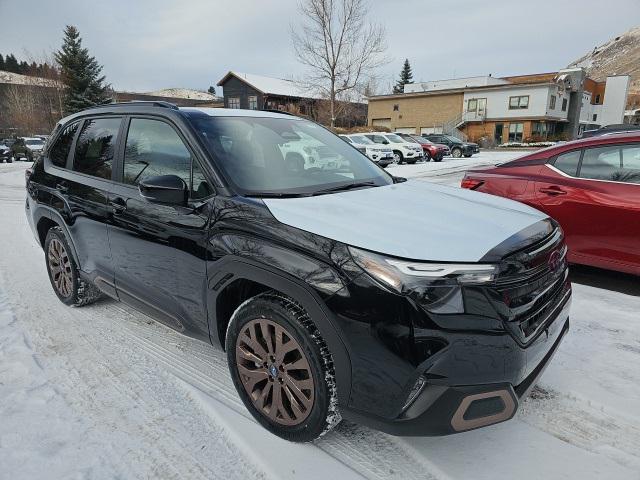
x=590, y=186
x=431, y=150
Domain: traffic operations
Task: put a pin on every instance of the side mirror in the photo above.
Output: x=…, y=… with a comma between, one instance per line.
x=165, y=189
x=385, y=142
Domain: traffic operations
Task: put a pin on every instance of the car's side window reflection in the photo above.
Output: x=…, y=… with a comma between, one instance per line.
x=614, y=163
x=568, y=162
x=154, y=148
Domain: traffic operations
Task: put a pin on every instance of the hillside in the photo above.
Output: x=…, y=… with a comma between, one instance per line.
x=618, y=56
x=183, y=93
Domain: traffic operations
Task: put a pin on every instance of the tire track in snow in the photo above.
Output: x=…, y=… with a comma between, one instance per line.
x=373, y=454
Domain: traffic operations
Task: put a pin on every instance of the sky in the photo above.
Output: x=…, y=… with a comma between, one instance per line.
x=146, y=45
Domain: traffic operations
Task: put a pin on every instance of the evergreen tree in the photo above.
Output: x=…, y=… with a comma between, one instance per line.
x=11, y=64
x=212, y=90
x=406, y=76
x=1, y=62
x=81, y=76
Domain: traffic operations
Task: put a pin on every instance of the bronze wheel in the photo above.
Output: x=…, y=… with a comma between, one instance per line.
x=274, y=372
x=60, y=268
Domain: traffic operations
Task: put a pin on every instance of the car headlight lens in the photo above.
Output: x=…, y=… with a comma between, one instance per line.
x=437, y=287
x=399, y=274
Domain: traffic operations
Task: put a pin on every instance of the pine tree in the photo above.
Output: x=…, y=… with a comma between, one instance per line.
x=80, y=72
x=212, y=90
x=406, y=76
x=11, y=64
x=1, y=62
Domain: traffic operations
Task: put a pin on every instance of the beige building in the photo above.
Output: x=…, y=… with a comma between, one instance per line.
x=537, y=107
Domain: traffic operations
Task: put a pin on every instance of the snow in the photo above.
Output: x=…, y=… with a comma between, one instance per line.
x=103, y=392
x=18, y=79
x=183, y=93
x=273, y=86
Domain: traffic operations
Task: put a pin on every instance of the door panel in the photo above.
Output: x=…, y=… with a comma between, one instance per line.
x=600, y=218
x=159, y=250
x=85, y=188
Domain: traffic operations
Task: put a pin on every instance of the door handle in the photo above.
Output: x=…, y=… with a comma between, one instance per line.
x=553, y=191
x=62, y=187
x=118, y=205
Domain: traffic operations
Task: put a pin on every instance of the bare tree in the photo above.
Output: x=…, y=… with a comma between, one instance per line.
x=338, y=45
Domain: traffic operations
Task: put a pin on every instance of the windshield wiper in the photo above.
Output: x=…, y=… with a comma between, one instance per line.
x=276, y=195
x=348, y=186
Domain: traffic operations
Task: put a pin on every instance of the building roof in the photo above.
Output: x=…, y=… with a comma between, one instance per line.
x=271, y=86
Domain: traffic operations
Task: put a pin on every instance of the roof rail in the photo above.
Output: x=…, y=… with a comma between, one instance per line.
x=150, y=103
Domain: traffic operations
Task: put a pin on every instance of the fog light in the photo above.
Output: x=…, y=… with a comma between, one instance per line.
x=415, y=391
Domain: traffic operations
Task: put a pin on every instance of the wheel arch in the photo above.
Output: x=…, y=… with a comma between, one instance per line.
x=44, y=220
x=240, y=279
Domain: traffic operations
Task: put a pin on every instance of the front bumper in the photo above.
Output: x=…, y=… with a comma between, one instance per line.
x=441, y=409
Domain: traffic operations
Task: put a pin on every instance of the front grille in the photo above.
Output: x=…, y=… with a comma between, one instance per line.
x=535, y=284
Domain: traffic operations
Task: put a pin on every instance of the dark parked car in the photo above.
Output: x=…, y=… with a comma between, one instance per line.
x=616, y=128
x=312, y=278
x=591, y=187
x=28, y=148
x=458, y=147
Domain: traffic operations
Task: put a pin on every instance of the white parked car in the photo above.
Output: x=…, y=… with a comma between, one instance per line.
x=382, y=155
x=403, y=151
x=311, y=153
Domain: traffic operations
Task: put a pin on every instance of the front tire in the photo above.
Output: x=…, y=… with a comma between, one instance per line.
x=456, y=152
x=397, y=157
x=282, y=369
x=64, y=274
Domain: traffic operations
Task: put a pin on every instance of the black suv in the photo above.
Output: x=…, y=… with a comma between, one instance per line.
x=330, y=300
x=458, y=147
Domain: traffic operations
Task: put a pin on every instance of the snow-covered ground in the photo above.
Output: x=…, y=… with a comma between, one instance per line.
x=105, y=392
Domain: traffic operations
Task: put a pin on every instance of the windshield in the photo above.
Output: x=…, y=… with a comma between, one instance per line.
x=283, y=156
x=34, y=142
x=393, y=138
x=410, y=139
x=362, y=140
x=453, y=139
x=424, y=140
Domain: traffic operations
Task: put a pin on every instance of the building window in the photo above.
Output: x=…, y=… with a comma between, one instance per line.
x=552, y=103
x=233, y=102
x=597, y=99
x=396, y=107
x=564, y=104
x=515, y=132
x=595, y=117
x=253, y=102
x=519, y=102
x=472, y=105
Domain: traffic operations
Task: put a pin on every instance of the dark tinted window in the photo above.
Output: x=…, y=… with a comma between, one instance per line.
x=96, y=146
x=154, y=148
x=601, y=163
x=568, y=162
x=60, y=150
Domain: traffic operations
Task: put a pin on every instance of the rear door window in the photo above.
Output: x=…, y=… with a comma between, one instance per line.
x=96, y=146
x=602, y=163
x=568, y=162
x=630, y=164
x=60, y=150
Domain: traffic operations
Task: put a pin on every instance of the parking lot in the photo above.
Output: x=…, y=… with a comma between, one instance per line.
x=105, y=392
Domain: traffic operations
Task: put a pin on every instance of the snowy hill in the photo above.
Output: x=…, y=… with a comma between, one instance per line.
x=618, y=56
x=183, y=93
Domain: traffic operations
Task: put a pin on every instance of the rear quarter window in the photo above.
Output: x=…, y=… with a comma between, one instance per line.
x=59, y=152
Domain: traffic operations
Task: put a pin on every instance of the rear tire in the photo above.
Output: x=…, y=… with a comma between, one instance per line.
x=281, y=367
x=63, y=272
x=10, y=160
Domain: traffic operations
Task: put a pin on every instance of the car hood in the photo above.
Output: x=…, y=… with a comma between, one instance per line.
x=415, y=220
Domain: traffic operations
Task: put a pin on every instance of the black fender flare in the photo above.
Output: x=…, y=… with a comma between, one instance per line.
x=44, y=211
x=233, y=268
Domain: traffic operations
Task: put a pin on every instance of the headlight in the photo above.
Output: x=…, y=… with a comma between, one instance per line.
x=400, y=274
x=437, y=287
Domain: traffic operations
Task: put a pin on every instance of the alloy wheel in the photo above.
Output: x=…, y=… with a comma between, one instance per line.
x=275, y=372
x=60, y=268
